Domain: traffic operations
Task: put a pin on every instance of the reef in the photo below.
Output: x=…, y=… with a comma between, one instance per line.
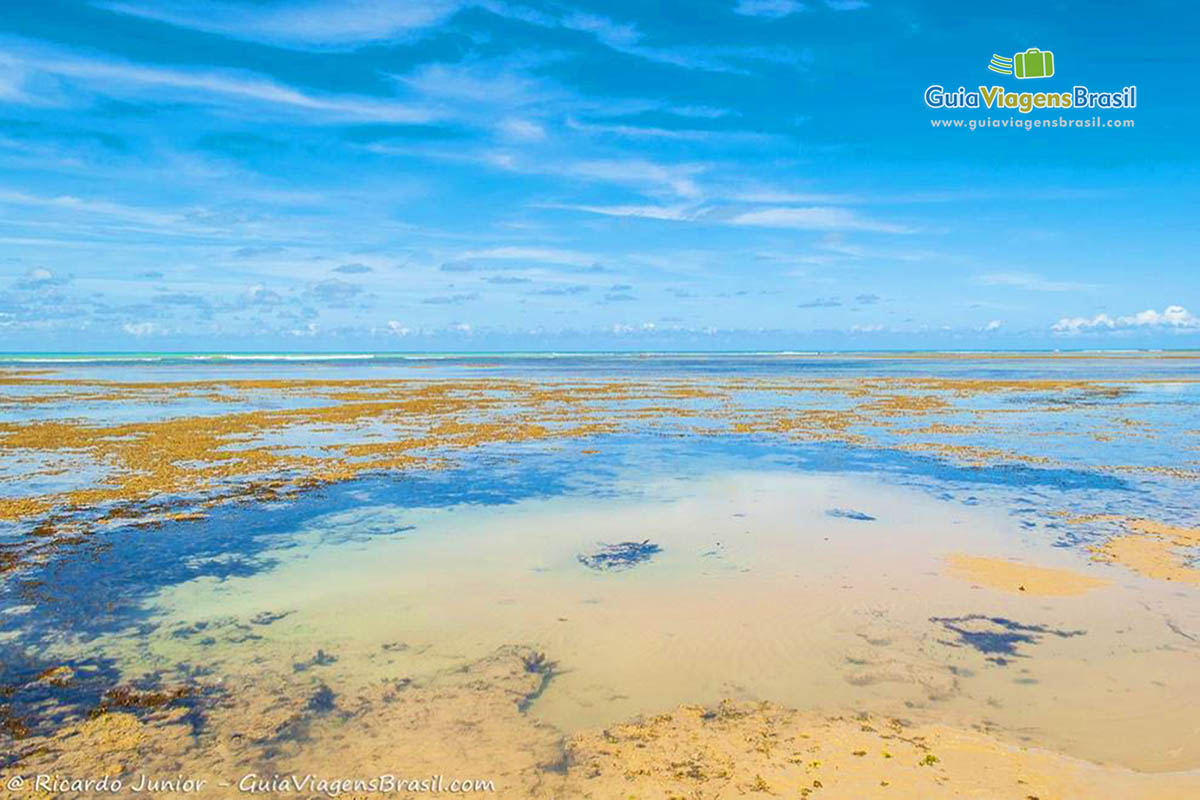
x=475, y=721
x=288, y=436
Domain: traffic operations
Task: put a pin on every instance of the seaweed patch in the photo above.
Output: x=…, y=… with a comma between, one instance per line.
x=321, y=659
x=536, y=663
x=997, y=638
x=323, y=700
x=849, y=513
x=621, y=555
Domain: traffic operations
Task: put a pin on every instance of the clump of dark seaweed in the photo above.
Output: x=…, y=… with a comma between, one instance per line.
x=997, y=637
x=320, y=659
x=132, y=697
x=12, y=726
x=322, y=700
x=849, y=513
x=621, y=555
x=538, y=664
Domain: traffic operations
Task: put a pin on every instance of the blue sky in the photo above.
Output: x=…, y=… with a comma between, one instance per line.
x=389, y=175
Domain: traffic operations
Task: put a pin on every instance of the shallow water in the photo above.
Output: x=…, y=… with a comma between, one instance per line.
x=756, y=591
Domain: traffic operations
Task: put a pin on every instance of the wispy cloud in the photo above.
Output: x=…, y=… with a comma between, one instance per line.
x=141, y=329
x=641, y=174
x=229, y=88
x=677, y=213
x=1031, y=282
x=623, y=37
x=304, y=25
x=39, y=278
x=13, y=78
x=821, y=302
x=770, y=9
x=562, y=291
x=79, y=205
x=629, y=39
x=669, y=134
x=769, y=196
x=812, y=218
x=822, y=218
x=543, y=255
x=451, y=299
x=496, y=82
x=675, y=179
x=335, y=293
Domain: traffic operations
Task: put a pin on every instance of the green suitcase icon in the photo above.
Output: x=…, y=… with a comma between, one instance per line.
x=1033, y=63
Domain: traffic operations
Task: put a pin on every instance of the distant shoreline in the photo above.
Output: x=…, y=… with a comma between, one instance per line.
x=301, y=356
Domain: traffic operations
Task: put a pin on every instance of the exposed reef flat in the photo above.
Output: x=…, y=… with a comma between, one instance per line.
x=1013, y=576
x=290, y=435
x=1155, y=549
x=469, y=721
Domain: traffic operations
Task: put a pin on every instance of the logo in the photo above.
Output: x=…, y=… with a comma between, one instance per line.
x=1033, y=63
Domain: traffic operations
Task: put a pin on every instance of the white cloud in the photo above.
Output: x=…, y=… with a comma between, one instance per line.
x=77, y=205
x=771, y=9
x=700, y=112
x=820, y=218
x=777, y=196
x=234, y=89
x=678, y=213
x=1172, y=318
x=814, y=218
x=613, y=34
x=523, y=130
x=642, y=175
x=626, y=38
x=39, y=278
x=676, y=178
x=994, y=325
x=539, y=254
x=489, y=83
x=142, y=328
x=345, y=24
x=1031, y=282
x=262, y=296
x=301, y=25
x=679, y=134
x=12, y=82
x=1077, y=324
